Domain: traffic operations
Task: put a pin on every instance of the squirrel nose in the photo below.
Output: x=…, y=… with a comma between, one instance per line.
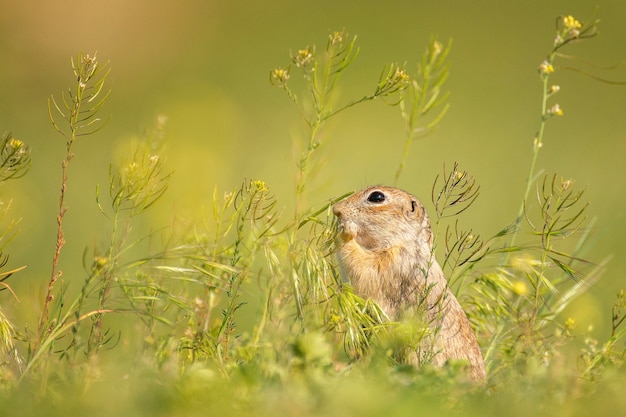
x=336, y=211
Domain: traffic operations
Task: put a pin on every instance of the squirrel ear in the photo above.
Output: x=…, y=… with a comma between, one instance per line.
x=417, y=211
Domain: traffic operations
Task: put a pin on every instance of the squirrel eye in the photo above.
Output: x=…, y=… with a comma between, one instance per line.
x=376, y=197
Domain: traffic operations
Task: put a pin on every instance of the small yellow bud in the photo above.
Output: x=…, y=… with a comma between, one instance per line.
x=555, y=110
x=260, y=186
x=570, y=323
x=546, y=68
x=401, y=75
x=571, y=23
x=100, y=262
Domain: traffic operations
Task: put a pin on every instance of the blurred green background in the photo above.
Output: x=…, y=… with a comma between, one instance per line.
x=205, y=66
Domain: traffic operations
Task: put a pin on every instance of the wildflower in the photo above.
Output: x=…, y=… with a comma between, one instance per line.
x=520, y=288
x=279, y=77
x=394, y=80
x=570, y=323
x=100, y=262
x=260, y=186
x=401, y=76
x=565, y=184
x=546, y=68
x=457, y=176
x=90, y=63
x=303, y=57
x=154, y=159
x=554, y=89
x=555, y=110
x=335, y=38
x=570, y=23
x=16, y=143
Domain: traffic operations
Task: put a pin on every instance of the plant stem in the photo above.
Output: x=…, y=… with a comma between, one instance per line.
x=84, y=69
x=405, y=155
x=60, y=240
x=537, y=145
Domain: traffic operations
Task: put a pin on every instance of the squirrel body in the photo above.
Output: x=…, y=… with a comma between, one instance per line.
x=386, y=249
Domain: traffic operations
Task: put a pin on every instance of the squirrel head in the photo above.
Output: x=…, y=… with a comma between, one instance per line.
x=380, y=217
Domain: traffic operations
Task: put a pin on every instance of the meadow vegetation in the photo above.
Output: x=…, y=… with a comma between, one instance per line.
x=247, y=313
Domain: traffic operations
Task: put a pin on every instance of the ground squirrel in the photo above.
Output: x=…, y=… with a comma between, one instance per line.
x=386, y=249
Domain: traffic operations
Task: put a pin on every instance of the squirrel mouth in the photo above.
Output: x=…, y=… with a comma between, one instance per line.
x=347, y=230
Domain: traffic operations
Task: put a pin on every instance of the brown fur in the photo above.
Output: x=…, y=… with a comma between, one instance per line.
x=386, y=250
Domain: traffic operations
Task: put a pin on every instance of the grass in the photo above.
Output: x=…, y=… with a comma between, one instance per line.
x=247, y=312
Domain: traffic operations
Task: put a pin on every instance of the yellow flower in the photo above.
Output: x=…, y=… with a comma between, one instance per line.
x=336, y=38
x=401, y=75
x=571, y=23
x=546, y=68
x=303, y=57
x=570, y=323
x=556, y=110
x=16, y=143
x=260, y=186
x=520, y=288
x=279, y=76
x=100, y=262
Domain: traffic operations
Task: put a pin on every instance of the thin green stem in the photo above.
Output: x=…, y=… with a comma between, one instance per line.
x=537, y=145
x=95, y=339
x=423, y=95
